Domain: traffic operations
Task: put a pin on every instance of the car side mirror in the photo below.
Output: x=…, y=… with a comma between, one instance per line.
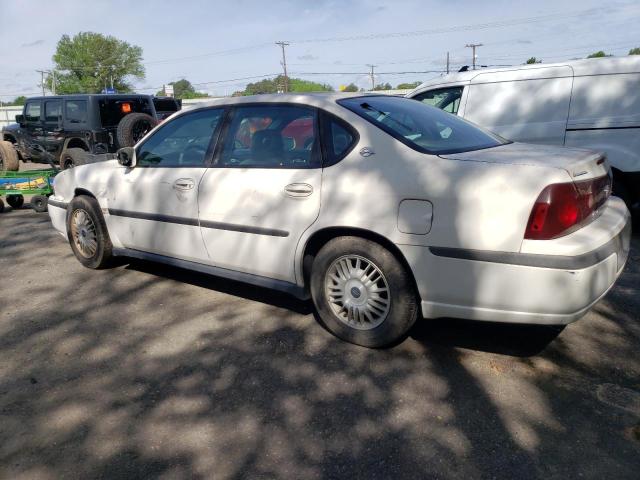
x=20, y=120
x=127, y=157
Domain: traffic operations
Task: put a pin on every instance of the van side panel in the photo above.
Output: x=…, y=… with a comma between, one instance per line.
x=525, y=105
x=605, y=115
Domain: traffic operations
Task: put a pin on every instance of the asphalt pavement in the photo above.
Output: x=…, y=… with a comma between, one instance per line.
x=145, y=371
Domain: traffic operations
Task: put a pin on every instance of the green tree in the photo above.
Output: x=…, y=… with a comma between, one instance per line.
x=183, y=89
x=533, y=60
x=383, y=86
x=276, y=85
x=18, y=100
x=90, y=62
x=408, y=86
x=599, y=54
x=634, y=51
x=352, y=87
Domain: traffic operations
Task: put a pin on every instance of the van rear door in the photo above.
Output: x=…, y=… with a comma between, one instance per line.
x=527, y=105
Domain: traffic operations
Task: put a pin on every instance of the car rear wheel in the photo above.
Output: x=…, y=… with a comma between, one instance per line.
x=72, y=157
x=362, y=293
x=8, y=157
x=87, y=233
x=133, y=127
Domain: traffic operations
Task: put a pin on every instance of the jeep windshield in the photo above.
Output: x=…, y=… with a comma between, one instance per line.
x=113, y=109
x=422, y=127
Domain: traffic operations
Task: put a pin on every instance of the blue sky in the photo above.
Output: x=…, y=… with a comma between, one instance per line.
x=213, y=41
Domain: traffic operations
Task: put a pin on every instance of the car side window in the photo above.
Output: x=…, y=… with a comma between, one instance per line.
x=182, y=142
x=76, y=111
x=447, y=99
x=339, y=139
x=32, y=112
x=52, y=110
x=272, y=136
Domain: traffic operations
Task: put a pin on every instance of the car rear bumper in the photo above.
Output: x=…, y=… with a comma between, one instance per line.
x=524, y=287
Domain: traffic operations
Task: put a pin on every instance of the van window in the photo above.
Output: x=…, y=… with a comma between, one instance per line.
x=447, y=99
x=421, y=127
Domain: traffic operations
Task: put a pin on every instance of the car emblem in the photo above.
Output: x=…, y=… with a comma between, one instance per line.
x=366, y=151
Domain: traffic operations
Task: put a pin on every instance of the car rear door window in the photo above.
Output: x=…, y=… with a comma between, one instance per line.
x=271, y=136
x=32, y=112
x=76, y=111
x=447, y=99
x=182, y=142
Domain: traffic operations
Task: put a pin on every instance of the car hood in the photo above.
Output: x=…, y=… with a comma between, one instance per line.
x=578, y=162
x=11, y=127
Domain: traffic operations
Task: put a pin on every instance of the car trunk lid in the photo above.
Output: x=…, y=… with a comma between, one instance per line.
x=579, y=163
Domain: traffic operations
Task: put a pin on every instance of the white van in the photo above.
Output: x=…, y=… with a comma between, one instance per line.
x=593, y=103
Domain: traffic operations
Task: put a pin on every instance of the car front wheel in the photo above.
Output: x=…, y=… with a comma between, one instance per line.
x=87, y=233
x=362, y=292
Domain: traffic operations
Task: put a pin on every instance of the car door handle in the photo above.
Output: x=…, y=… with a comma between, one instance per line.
x=298, y=190
x=184, y=184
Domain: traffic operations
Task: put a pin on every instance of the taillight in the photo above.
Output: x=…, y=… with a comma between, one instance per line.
x=562, y=208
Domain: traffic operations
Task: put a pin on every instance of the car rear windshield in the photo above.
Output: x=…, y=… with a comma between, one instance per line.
x=422, y=127
x=113, y=109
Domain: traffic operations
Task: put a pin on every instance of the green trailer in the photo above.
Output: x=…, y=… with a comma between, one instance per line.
x=14, y=185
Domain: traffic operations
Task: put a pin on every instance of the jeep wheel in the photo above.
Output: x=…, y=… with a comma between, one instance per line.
x=362, y=293
x=72, y=157
x=8, y=157
x=133, y=127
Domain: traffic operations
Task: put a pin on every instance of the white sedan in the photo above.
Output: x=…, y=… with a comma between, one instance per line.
x=380, y=208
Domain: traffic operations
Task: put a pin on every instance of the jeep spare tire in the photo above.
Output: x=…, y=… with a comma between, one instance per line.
x=133, y=127
x=8, y=157
x=73, y=157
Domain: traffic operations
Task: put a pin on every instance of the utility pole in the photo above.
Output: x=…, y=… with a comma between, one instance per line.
x=473, y=46
x=284, y=64
x=42, y=72
x=447, y=63
x=372, y=76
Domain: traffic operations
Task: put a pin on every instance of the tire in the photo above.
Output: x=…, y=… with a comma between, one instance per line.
x=1, y=206
x=16, y=201
x=83, y=217
x=133, y=127
x=388, y=325
x=72, y=157
x=39, y=203
x=8, y=157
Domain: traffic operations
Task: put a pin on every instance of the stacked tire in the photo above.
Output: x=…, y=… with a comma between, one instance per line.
x=8, y=157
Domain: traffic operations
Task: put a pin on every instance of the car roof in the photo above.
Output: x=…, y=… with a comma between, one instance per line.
x=315, y=99
x=588, y=66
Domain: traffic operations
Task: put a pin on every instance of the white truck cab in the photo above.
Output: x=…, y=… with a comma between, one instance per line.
x=592, y=103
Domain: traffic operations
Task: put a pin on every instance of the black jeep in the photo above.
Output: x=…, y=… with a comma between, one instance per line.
x=71, y=127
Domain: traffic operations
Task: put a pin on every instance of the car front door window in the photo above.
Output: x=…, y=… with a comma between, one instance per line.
x=183, y=142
